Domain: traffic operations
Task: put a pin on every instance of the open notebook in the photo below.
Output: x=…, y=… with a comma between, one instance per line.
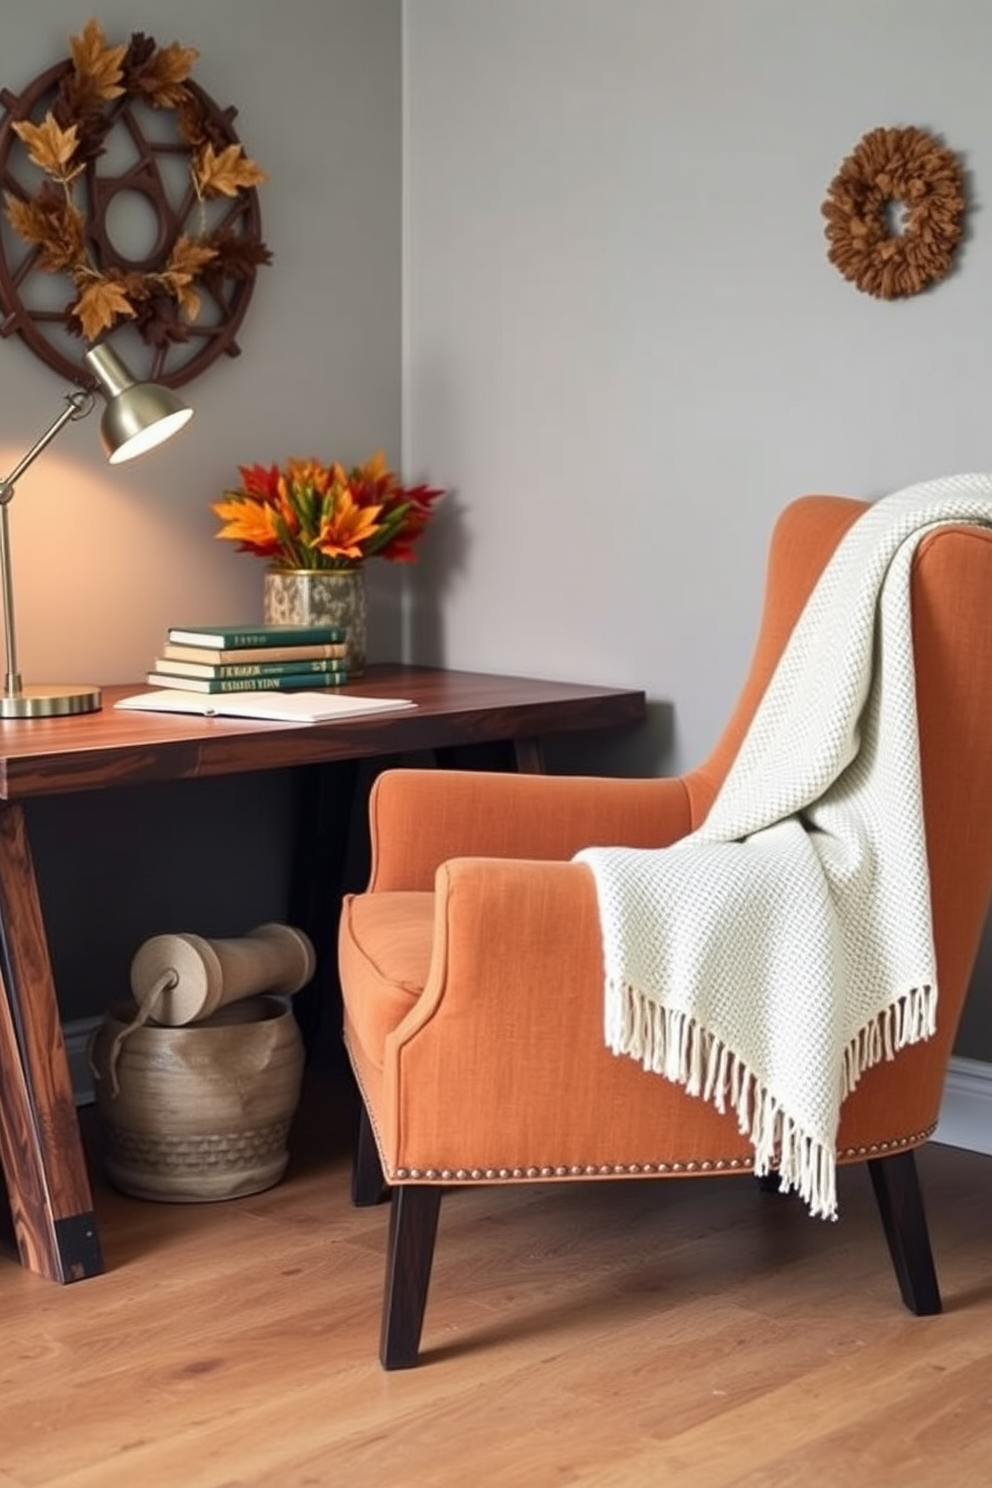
x=280, y=707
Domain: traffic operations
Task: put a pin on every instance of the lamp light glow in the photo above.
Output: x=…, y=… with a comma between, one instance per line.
x=138, y=416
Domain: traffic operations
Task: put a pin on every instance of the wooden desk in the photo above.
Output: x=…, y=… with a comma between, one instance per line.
x=40, y=1149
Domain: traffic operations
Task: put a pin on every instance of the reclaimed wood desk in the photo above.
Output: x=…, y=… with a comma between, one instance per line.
x=40, y=1147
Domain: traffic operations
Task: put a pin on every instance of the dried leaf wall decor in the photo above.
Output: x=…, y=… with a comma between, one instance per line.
x=208, y=243
x=893, y=171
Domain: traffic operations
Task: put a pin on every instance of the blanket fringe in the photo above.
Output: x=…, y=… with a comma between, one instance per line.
x=670, y=1043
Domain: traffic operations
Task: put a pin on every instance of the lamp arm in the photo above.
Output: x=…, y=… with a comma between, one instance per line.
x=78, y=405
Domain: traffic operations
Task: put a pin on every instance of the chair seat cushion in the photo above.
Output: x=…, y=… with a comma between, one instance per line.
x=384, y=951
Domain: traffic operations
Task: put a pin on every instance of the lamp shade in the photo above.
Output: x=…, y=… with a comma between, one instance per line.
x=138, y=415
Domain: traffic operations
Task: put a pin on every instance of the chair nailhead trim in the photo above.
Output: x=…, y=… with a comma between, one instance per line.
x=897, y=1144
x=616, y=1170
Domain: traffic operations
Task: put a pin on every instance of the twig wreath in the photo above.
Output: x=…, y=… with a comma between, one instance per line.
x=103, y=88
x=902, y=168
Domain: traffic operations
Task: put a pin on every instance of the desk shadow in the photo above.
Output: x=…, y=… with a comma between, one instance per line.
x=640, y=752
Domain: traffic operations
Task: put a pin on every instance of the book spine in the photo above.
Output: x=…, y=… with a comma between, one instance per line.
x=218, y=656
x=279, y=668
x=265, y=635
x=289, y=682
x=224, y=669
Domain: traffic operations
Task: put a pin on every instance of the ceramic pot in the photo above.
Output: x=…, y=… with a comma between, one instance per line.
x=320, y=596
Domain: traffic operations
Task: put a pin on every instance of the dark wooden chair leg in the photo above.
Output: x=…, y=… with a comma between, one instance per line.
x=900, y=1203
x=368, y=1186
x=412, y=1231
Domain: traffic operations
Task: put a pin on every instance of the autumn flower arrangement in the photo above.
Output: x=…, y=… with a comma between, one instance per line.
x=312, y=515
x=68, y=238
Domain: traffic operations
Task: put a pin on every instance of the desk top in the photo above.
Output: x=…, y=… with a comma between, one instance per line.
x=43, y=756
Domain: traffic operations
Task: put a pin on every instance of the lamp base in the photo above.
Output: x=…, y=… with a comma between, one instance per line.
x=49, y=702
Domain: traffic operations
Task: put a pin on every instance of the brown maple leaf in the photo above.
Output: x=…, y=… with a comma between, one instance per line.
x=190, y=122
x=235, y=257
x=97, y=65
x=52, y=223
x=93, y=130
x=136, y=287
x=185, y=263
x=187, y=260
x=157, y=321
x=100, y=304
x=161, y=82
x=195, y=125
x=225, y=173
x=71, y=99
x=50, y=147
x=70, y=107
x=139, y=49
x=187, y=299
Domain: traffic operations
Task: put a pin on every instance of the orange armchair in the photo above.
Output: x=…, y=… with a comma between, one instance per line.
x=477, y=943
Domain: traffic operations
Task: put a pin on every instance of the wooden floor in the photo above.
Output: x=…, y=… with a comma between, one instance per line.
x=688, y=1334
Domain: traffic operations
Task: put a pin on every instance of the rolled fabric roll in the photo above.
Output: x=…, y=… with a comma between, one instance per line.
x=177, y=979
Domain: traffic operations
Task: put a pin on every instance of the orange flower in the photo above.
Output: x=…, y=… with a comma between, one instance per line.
x=252, y=526
x=346, y=525
x=303, y=475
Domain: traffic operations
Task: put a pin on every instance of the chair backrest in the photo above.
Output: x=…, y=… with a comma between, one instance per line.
x=952, y=635
x=802, y=542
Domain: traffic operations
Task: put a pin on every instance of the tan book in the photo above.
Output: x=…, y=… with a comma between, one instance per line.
x=220, y=655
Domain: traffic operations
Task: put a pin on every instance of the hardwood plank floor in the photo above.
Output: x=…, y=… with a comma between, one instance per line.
x=691, y=1334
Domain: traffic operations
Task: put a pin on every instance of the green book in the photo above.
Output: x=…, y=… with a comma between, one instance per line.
x=319, y=666
x=288, y=682
x=255, y=635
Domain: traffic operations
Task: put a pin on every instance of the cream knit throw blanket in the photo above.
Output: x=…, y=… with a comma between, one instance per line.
x=769, y=958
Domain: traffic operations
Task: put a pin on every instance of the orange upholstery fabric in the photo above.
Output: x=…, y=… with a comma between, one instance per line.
x=471, y=968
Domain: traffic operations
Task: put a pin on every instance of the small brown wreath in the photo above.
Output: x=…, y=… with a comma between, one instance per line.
x=910, y=169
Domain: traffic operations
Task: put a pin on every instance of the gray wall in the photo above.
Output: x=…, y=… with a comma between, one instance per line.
x=107, y=558
x=625, y=349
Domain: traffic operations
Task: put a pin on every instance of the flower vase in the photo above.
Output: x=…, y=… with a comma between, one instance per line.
x=320, y=596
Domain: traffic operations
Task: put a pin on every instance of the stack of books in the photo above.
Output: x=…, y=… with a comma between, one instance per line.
x=251, y=658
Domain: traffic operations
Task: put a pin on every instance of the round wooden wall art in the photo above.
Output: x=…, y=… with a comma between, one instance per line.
x=895, y=212
x=130, y=207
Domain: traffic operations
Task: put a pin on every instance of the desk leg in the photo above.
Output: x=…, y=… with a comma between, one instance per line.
x=40, y=1145
x=529, y=756
x=324, y=805
x=524, y=756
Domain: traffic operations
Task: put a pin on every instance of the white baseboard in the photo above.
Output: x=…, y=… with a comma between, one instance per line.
x=965, y=1112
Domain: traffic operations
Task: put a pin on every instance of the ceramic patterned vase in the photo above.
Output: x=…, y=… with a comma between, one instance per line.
x=320, y=596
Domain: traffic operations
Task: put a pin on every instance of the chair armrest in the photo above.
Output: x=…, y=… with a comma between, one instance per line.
x=503, y=929
x=420, y=818
x=502, y=1062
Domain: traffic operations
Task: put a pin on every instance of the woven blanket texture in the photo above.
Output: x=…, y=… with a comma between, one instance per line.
x=776, y=953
